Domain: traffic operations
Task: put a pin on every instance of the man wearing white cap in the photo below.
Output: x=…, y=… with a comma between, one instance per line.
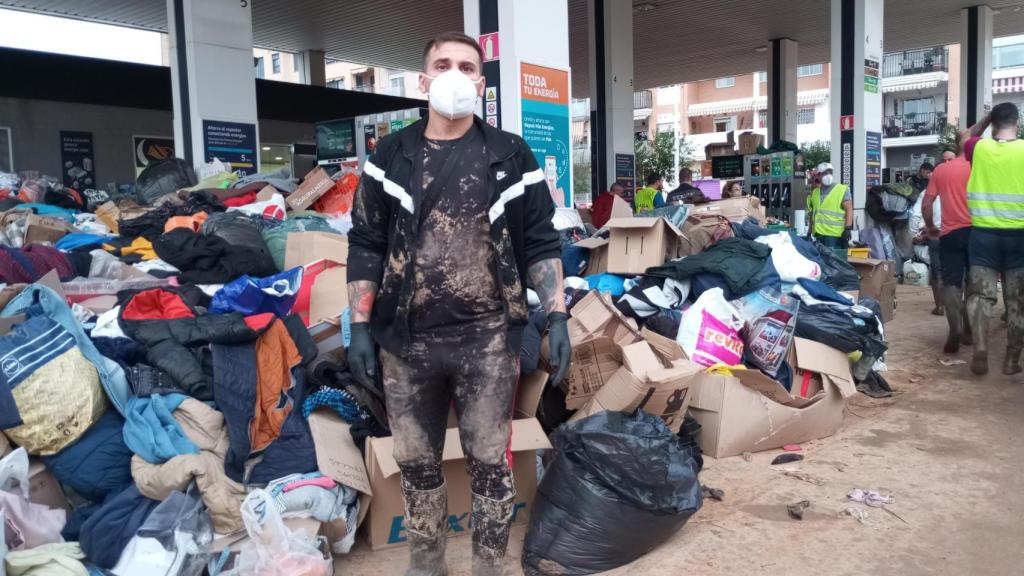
x=830, y=210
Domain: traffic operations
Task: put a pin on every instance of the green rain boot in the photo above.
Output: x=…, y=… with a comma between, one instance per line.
x=953, y=300
x=982, y=293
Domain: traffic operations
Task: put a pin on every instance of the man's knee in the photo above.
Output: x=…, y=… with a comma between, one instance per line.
x=491, y=480
x=421, y=475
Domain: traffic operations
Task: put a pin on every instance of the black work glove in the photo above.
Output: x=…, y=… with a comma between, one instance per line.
x=361, y=355
x=559, y=347
x=846, y=235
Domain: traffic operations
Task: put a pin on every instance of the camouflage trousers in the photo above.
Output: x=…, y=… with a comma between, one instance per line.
x=982, y=295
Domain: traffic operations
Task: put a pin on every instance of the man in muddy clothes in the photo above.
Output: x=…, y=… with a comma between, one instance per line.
x=451, y=222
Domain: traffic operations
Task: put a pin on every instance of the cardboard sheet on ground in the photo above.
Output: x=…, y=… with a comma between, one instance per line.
x=736, y=417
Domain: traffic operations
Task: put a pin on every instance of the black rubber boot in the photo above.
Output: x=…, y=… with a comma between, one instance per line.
x=953, y=299
x=492, y=520
x=426, y=517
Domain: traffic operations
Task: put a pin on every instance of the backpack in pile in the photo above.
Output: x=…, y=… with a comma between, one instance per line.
x=163, y=178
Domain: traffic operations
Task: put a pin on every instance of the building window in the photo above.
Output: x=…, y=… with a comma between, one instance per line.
x=338, y=84
x=727, y=82
x=725, y=124
x=810, y=70
x=275, y=63
x=667, y=127
x=918, y=106
x=295, y=62
x=1008, y=56
x=805, y=116
x=762, y=118
x=762, y=77
x=259, y=67
x=397, y=87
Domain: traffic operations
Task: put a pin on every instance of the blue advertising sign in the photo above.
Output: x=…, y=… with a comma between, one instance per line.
x=233, y=143
x=545, y=119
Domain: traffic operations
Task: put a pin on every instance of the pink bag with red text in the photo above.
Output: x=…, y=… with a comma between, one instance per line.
x=710, y=331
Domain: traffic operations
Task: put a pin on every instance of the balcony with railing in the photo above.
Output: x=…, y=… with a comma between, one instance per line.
x=910, y=62
x=914, y=125
x=642, y=99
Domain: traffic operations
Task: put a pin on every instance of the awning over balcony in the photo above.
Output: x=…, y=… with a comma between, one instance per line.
x=913, y=82
x=1008, y=85
x=806, y=98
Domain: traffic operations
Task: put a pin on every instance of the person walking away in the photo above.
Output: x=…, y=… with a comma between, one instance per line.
x=686, y=192
x=929, y=244
x=995, y=198
x=949, y=186
x=649, y=197
x=830, y=210
x=601, y=211
x=451, y=223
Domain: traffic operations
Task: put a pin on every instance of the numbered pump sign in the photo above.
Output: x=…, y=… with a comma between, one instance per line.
x=233, y=143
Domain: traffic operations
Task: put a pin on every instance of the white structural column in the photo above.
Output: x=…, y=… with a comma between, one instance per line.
x=610, y=35
x=312, y=67
x=528, y=82
x=782, y=90
x=856, y=105
x=975, y=64
x=214, y=82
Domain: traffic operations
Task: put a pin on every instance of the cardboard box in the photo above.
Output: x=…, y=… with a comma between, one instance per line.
x=737, y=418
x=45, y=229
x=108, y=213
x=734, y=209
x=329, y=296
x=597, y=263
x=595, y=316
x=637, y=244
x=304, y=248
x=878, y=281
x=313, y=186
x=43, y=488
x=385, y=520
x=643, y=383
x=593, y=364
x=529, y=392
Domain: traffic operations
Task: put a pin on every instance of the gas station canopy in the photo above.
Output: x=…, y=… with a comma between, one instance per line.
x=675, y=41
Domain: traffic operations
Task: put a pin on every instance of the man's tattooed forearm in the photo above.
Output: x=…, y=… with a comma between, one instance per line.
x=361, y=295
x=545, y=277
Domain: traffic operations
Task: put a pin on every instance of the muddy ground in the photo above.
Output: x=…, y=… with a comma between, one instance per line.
x=947, y=446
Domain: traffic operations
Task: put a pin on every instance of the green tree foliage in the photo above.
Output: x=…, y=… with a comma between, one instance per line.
x=817, y=152
x=658, y=156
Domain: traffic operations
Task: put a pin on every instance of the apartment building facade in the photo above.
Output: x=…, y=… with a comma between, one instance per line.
x=285, y=66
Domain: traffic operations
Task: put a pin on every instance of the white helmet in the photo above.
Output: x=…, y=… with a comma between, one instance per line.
x=824, y=166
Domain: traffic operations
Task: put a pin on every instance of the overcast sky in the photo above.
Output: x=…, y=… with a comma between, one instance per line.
x=78, y=38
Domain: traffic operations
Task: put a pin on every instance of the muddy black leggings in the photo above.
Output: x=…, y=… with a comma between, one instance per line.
x=472, y=367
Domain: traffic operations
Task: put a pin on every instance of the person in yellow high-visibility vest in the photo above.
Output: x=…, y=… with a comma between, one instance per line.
x=995, y=199
x=830, y=210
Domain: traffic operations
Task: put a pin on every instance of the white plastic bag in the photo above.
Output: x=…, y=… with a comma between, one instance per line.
x=273, y=549
x=212, y=168
x=915, y=273
x=710, y=330
x=272, y=208
x=14, y=473
x=789, y=262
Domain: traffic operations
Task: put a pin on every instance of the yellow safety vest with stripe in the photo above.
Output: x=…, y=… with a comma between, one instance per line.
x=644, y=199
x=995, y=192
x=829, y=215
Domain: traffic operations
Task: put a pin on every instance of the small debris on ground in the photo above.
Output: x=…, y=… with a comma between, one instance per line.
x=716, y=494
x=792, y=448
x=796, y=510
x=855, y=513
x=787, y=458
x=871, y=498
x=951, y=361
x=805, y=477
x=748, y=456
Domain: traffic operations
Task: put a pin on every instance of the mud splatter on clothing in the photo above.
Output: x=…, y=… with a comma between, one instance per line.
x=455, y=263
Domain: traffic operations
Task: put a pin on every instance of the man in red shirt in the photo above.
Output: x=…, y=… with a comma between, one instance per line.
x=949, y=184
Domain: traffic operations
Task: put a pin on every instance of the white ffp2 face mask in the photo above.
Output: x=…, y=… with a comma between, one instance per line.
x=828, y=180
x=452, y=94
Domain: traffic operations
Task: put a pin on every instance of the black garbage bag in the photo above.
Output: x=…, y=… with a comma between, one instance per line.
x=162, y=178
x=835, y=271
x=875, y=386
x=619, y=485
x=845, y=328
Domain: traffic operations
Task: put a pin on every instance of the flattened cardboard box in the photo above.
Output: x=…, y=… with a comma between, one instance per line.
x=734, y=209
x=304, y=248
x=736, y=418
x=644, y=383
x=597, y=262
x=385, y=520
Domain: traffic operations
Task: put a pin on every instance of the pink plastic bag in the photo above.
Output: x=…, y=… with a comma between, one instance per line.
x=710, y=330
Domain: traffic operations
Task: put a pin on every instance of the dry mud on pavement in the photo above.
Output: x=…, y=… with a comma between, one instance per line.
x=947, y=446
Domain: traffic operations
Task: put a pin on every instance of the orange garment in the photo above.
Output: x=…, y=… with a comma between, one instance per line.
x=193, y=223
x=276, y=355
